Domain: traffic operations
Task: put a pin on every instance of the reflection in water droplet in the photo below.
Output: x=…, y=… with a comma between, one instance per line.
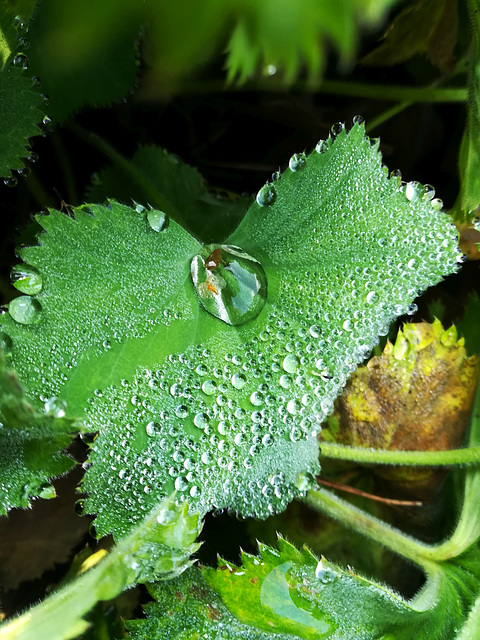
x=231, y=284
x=266, y=195
x=238, y=380
x=26, y=279
x=25, y=310
x=297, y=161
x=157, y=220
x=20, y=60
x=337, y=128
x=10, y=182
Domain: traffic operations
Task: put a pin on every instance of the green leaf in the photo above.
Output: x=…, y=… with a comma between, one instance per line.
x=157, y=178
x=293, y=594
x=31, y=443
x=423, y=27
x=21, y=105
x=188, y=389
x=469, y=159
x=98, y=61
x=158, y=548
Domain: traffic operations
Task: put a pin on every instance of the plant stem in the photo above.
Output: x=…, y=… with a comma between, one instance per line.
x=364, y=455
x=386, y=115
x=371, y=527
x=397, y=94
x=155, y=197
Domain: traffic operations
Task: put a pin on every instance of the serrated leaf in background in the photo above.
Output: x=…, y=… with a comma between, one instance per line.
x=424, y=27
x=31, y=445
x=207, y=217
x=21, y=104
x=225, y=412
x=85, y=54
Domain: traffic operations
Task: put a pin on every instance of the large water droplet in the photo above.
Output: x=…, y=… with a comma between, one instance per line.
x=231, y=284
x=266, y=195
x=10, y=182
x=26, y=279
x=25, y=310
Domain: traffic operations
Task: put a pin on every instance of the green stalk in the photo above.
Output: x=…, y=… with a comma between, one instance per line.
x=396, y=94
x=331, y=505
x=363, y=455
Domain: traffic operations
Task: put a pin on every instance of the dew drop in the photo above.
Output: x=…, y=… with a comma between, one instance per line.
x=20, y=60
x=150, y=429
x=321, y=146
x=157, y=220
x=358, y=120
x=413, y=190
x=209, y=387
x=256, y=399
x=290, y=363
x=230, y=283
x=266, y=195
x=25, y=310
x=200, y=420
x=315, y=331
x=238, y=380
x=372, y=297
x=181, y=411
x=297, y=161
x=337, y=128
x=10, y=182
x=26, y=279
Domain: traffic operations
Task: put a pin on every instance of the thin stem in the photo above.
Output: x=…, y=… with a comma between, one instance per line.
x=156, y=198
x=362, y=522
x=364, y=455
x=397, y=94
x=387, y=114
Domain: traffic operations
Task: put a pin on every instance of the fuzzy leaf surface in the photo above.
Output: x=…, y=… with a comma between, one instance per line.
x=158, y=548
x=227, y=414
x=286, y=593
x=31, y=445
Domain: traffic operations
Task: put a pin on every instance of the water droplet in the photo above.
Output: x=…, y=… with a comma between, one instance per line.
x=337, y=128
x=150, y=429
x=315, y=331
x=437, y=204
x=209, y=387
x=297, y=161
x=266, y=195
x=413, y=190
x=200, y=420
x=181, y=411
x=157, y=220
x=231, y=284
x=19, y=25
x=256, y=398
x=10, y=182
x=428, y=191
x=238, y=380
x=25, y=310
x=37, y=83
x=20, y=60
x=321, y=146
x=26, y=279
x=372, y=297
x=290, y=363
x=55, y=407
x=358, y=120
x=180, y=483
